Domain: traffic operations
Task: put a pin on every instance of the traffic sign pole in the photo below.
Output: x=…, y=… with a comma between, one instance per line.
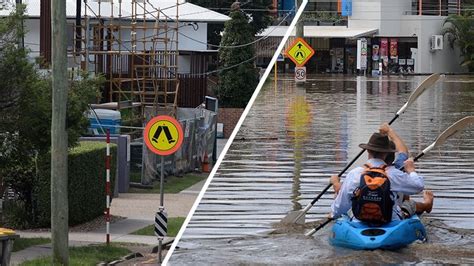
x=162, y=204
x=163, y=135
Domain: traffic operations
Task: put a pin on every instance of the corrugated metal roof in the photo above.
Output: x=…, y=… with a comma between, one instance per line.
x=187, y=11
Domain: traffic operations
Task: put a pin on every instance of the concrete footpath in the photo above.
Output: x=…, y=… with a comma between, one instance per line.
x=139, y=211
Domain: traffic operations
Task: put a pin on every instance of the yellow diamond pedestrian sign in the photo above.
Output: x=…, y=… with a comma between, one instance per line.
x=299, y=52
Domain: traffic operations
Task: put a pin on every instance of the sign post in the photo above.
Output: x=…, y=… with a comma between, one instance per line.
x=362, y=54
x=163, y=135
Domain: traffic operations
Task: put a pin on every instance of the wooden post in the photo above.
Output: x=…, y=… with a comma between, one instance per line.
x=45, y=32
x=59, y=142
x=420, y=7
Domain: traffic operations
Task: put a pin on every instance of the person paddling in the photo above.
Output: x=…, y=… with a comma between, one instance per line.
x=370, y=191
x=408, y=206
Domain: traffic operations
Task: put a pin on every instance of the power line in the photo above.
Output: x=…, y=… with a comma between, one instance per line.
x=240, y=45
x=225, y=68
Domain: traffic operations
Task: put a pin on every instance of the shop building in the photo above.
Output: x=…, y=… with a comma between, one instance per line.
x=403, y=36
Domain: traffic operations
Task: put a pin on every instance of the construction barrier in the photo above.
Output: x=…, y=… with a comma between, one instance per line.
x=199, y=127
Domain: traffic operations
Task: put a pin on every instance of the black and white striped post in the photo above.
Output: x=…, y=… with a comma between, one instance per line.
x=161, y=217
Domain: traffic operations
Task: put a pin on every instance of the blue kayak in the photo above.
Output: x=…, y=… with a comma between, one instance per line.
x=394, y=235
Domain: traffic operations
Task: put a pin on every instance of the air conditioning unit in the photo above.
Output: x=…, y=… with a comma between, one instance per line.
x=437, y=42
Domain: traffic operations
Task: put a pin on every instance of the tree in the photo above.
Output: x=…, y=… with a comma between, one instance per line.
x=239, y=76
x=258, y=11
x=25, y=117
x=459, y=30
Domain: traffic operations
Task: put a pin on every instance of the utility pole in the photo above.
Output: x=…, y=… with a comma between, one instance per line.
x=300, y=24
x=59, y=142
x=299, y=32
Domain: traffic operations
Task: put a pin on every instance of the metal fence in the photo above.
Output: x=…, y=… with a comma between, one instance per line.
x=199, y=133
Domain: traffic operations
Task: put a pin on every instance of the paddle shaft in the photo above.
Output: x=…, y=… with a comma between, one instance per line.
x=347, y=167
x=310, y=233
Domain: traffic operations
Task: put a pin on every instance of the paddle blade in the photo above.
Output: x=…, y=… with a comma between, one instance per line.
x=427, y=83
x=294, y=217
x=453, y=130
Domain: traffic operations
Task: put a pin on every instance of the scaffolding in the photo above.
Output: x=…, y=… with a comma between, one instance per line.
x=134, y=45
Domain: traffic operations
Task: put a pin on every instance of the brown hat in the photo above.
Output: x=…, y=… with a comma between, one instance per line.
x=378, y=143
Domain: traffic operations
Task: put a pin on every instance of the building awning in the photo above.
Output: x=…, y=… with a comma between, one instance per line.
x=322, y=32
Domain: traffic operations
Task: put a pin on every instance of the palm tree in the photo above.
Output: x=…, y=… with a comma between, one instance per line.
x=459, y=31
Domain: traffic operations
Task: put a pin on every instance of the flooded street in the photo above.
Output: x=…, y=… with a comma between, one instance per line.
x=291, y=142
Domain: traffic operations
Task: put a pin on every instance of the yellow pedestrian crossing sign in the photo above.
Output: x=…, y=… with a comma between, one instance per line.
x=299, y=52
x=163, y=135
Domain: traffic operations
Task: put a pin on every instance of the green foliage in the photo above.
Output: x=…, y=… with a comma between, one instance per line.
x=86, y=189
x=237, y=83
x=90, y=255
x=25, y=113
x=258, y=10
x=459, y=30
x=86, y=185
x=327, y=17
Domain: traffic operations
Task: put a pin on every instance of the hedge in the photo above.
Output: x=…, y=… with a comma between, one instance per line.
x=86, y=186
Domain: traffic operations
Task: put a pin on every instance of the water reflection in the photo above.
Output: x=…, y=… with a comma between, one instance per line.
x=295, y=138
x=298, y=126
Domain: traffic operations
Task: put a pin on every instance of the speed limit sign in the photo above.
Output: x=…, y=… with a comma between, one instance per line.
x=300, y=74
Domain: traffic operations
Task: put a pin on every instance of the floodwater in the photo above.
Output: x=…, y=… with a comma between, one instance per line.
x=294, y=138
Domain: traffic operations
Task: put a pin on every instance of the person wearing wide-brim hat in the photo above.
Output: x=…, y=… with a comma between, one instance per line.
x=378, y=147
x=379, y=143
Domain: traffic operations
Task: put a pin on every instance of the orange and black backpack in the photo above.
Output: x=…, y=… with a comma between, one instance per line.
x=372, y=202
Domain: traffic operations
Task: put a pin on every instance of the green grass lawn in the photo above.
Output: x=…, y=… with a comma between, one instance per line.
x=22, y=243
x=135, y=177
x=174, y=224
x=90, y=255
x=173, y=184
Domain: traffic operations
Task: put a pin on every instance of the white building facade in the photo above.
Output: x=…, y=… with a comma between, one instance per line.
x=403, y=35
x=398, y=20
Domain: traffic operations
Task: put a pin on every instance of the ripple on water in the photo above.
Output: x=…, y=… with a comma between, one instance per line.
x=294, y=138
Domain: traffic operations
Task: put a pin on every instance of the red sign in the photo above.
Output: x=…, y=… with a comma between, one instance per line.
x=393, y=48
x=383, y=47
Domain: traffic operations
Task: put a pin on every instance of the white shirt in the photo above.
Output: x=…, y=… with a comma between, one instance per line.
x=400, y=182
